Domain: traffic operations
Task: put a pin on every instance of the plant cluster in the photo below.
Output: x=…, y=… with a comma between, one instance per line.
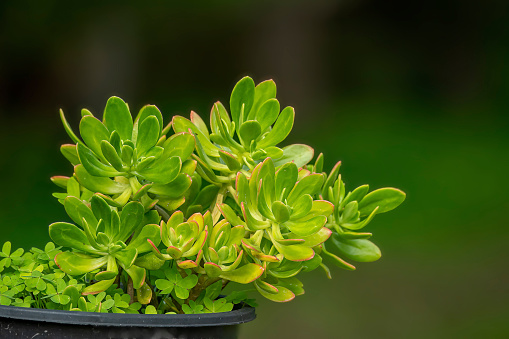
x=165, y=216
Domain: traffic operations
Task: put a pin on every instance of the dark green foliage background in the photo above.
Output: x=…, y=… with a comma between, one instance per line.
x=406, y=95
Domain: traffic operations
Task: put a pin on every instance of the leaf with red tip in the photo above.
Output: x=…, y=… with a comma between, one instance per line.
x=266, y=287
x=283, y=295
x=186, y=264
x=98, y=287
x=245, y=274
x=213, y=270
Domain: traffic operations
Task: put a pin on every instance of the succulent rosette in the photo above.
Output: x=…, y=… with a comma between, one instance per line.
x=127, y=160
x=106, y=238
x=250, y=135
x=183, y=239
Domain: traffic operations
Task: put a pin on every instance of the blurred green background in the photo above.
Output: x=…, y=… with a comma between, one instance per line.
x=405, y=94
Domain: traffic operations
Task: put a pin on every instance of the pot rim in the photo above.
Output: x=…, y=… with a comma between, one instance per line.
x=239, y=316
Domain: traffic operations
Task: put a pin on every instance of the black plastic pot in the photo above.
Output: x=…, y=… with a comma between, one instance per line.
x=19, y=322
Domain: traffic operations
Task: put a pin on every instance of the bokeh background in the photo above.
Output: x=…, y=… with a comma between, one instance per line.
x=406, y=94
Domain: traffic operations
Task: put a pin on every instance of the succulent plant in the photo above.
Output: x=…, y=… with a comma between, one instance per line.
x=101, y=241
x=139, y=156
x=166, y=217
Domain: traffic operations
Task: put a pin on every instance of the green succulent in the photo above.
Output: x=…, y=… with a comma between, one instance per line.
x=279, y=210
x=250, y=135
x=106, y=238
x=145, y=163
x=183, y=239
x=353, y=212
x=166, y=217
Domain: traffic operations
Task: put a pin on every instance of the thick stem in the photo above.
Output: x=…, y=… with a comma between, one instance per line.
x=202, y=284
x=130, y=289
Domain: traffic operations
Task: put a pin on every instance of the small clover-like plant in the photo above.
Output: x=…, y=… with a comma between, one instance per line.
x=165, y=216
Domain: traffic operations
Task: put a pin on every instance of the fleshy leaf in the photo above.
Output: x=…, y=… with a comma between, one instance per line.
x=118, y=118
x=387, y=198
x=242, y=99
x=298, y=153
x=244, y=274
x=74, y=264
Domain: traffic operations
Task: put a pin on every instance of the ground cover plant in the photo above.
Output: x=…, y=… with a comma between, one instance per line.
x=164, y=216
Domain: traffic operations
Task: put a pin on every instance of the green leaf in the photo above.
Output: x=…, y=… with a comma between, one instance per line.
x=280, y=211
x=318, y=168
x=73, y=293
x=174, y=189
x=329, y=182
x=163, y=172
x=137, y=274
x=361, y=250
x=283, y=294
x=386, y=198
x=61, y=299
x=148, y=135
x=319, y=207
x=180, y=145
x=6, y=248
x=165, y=286
x=295, y=252
x=144, y=295
x=98, y=184
x=111, y=155
x=118, y=118
x=152, y=232
x=274, y=152
x=280, y=130
x=74, y=264
x=249, y=130
x=130, y=219
x=70, y=153
x=149, y=261
x=230, y=160
x=181, y=124
x=306, y=227
x=147, y=111
x=102, y=210
x=315, y=239
x=268, y=113
x=93, y=132
x=68, y=235
x=150, y=309
x=286, y=177
x=242, y=99
x=78, y=210
x=93, y=165
x=356, y=195
x=263, y=91
x=243, y=275
x=126, y=257
x=310, y=184
x=68, y=128
x=198, y=122
x=98, y=287
x=298, y=153
x=293, y=284
x=218, y=306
